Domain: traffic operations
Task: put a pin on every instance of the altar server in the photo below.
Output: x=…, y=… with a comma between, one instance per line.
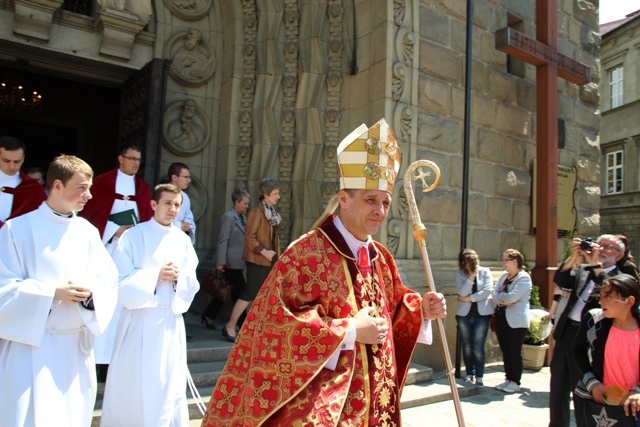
x=146, y=383
x=57, y=291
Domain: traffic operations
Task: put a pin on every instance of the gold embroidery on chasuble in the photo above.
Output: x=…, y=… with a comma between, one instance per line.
x=380, y=364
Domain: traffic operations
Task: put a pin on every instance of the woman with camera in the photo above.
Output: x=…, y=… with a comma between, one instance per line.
x=511, y=300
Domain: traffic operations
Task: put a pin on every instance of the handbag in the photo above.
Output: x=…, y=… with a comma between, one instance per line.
x=591, y=413
x=217, y=285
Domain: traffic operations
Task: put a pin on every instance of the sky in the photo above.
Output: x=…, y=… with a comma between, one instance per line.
x=612, y=10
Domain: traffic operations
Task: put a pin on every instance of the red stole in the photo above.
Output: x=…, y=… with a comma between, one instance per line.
x=27, y=196
x=98, y=209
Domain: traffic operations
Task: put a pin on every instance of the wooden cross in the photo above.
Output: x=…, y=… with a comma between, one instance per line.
x=550, y=64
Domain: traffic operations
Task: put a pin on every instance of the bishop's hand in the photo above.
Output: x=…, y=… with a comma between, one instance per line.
x=434, y=306
x=369, y=329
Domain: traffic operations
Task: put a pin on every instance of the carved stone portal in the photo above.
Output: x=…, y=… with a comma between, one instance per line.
x=192, y=58
x=186, y=128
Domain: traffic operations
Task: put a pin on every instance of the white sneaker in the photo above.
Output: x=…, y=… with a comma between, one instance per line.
x=501, y=386
x=468, y=379
x=510, y=388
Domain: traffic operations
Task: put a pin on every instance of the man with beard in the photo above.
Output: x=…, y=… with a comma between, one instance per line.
x=582, y=281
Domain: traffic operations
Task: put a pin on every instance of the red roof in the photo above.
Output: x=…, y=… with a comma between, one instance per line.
x=610, y=26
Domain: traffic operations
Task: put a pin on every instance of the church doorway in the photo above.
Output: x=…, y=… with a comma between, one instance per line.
x=71, y=117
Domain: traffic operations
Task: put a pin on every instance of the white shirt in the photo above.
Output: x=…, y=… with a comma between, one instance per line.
x=583, y=297
x=6, y=199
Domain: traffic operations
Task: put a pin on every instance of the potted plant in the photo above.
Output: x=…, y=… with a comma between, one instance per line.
x=534, y=348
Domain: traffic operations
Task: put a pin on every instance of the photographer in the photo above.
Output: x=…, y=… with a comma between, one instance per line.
x=600, y=258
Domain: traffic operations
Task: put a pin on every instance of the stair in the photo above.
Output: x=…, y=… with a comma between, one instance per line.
x=207, y=354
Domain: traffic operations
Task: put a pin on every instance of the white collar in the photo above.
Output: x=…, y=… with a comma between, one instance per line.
x=10, y=180
x=354, y=243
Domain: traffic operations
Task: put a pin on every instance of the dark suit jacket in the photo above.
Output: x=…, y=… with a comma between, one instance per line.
x=576, y=281
x=230, y=241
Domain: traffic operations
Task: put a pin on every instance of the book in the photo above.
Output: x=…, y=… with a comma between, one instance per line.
x=127, y=217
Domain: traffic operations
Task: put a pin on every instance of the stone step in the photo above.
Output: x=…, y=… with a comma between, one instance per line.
x=206, y=374
x=208, y=352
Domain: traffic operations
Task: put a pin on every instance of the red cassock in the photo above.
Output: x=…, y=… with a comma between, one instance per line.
x=275, y=374
x=98, y=209
x=27, y=196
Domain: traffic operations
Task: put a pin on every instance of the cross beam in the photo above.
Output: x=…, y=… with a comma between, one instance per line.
x=513, y=42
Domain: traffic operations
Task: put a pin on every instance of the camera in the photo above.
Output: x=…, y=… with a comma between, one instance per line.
x=585, y=244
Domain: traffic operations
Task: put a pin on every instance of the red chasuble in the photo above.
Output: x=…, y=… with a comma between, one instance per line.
x=98, y=209
x=274, y=375
x=27, y=196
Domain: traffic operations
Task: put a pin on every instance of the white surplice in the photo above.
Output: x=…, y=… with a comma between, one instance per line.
x=125, y=185
x=146, y=381
x=47, y=369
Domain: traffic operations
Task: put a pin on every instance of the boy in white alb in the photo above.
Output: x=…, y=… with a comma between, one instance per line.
x=58, y=290
x=146, y=382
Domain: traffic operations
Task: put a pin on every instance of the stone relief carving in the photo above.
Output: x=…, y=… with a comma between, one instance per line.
x=186, y=129
x=190, y=10
x=397, y=82
x=404, y=44
x=402, y=122
x=245, y=122
x=402, y=86
x=192, y=58
x=399, y=10
x=139, y=8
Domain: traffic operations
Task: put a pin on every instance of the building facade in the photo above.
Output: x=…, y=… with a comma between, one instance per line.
x=245, y=89
x=620, y=135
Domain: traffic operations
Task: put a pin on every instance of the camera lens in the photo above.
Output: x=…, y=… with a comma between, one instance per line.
x=585, y=244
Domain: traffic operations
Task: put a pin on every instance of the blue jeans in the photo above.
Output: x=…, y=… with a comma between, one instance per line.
x=473, y=334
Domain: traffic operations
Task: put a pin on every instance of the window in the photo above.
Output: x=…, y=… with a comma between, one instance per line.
x=616, y=83
x=614, y=172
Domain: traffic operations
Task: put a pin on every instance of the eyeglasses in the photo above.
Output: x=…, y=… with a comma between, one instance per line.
x=133, y=159
x=610, y=297
x=609, y=248
x=508, y=259
x=184, y=176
